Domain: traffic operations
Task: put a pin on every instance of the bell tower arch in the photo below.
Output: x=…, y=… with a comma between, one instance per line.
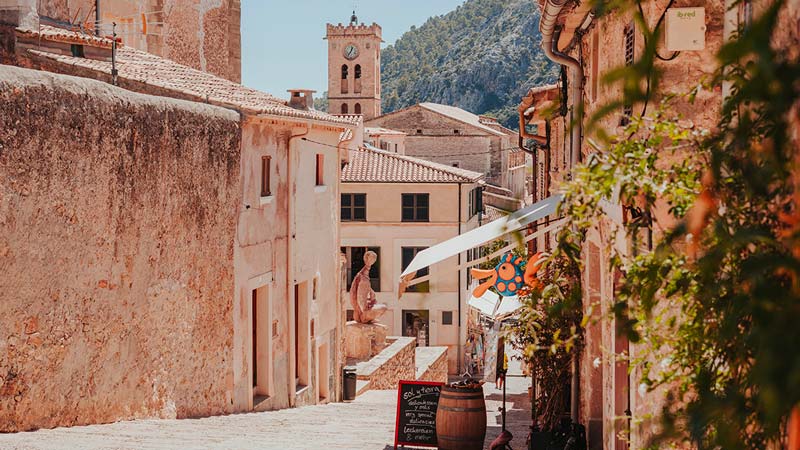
x=354, y=68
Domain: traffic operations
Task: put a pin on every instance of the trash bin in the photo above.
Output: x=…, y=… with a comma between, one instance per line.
x=349, y=380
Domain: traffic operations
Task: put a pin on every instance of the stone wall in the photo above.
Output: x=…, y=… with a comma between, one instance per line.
x=394, y=363
x=437, y=137
x=203, y=34
x=117, y=223
x=431, y=364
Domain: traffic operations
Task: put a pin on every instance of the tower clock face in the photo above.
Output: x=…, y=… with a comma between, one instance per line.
x=350, y=51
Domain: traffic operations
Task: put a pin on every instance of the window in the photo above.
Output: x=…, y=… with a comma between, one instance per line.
x=415, y=207
x=77, y=50
x=358, y=71
x=344, y=108
x=350, y=315
x=266, y=162
x=355, y=262
x=320, y=169
x=354, y=208
x=472, y=255
x=627, y=108
x=415, y=324
x=408, y=254
x=357, y=108
x=456, y=132
x=475, y=203
x=455, y=164
x=344, y=71
x=447, y=317
x=419, y=131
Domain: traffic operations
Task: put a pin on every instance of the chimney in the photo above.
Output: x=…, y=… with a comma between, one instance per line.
x=20, y=13
x=301, y=99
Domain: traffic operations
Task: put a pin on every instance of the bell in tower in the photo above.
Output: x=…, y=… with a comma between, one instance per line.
x=354, y=19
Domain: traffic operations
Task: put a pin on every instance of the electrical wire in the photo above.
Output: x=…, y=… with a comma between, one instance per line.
x=655, y=33
x=507, y=149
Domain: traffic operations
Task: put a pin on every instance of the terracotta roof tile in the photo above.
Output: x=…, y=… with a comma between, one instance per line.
x=373, y=131
x=69, y=36
x=371, y=165
x=460, y=115
x=143, y=67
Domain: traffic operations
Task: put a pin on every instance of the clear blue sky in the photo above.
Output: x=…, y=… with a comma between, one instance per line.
x=282, y=45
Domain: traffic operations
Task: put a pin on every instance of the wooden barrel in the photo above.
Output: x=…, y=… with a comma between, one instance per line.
x=461, y=419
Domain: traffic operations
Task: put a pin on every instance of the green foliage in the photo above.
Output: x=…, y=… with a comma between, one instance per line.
x=481, y=57
x=714, y=307
x=321, y=102
x=548, y=337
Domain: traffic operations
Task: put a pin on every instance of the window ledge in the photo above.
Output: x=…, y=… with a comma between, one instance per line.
x=322, y=188
x=266, y=200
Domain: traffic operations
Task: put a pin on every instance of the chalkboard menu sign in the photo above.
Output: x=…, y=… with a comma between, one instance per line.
x=416, y=413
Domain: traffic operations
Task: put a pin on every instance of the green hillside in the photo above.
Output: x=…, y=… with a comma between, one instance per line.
x=482, y=57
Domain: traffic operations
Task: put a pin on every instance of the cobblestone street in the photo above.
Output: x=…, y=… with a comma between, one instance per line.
x=367, y=423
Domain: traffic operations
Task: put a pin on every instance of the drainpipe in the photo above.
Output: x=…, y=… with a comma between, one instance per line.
x=292, y=188
x=460, y=356
x=342, y=146
x=548, y=27
x=550, y=33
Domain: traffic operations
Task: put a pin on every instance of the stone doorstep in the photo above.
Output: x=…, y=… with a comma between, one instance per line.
x=427, y=357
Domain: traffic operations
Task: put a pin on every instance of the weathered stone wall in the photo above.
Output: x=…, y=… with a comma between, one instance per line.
x=396, y=362
x=117, y=220
x=203, y=34
x=470, y=148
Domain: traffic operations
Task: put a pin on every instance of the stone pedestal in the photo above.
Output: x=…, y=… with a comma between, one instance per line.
x=364, y=340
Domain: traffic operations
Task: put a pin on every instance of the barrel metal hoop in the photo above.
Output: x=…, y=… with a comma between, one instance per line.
x=460, y=397
x=455, y=438
x=457, y=409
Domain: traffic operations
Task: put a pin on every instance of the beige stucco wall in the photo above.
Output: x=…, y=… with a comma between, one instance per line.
x=266, y=252
x=260, y=256
x=117, y=223
x=395, y=143
x=385, y=229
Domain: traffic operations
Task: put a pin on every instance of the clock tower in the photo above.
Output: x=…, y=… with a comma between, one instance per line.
x=354, y=69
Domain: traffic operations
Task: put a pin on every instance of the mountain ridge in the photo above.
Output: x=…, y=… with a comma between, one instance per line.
x=482, y=57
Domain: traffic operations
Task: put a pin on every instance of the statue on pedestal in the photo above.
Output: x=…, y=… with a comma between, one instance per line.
x=366, y=308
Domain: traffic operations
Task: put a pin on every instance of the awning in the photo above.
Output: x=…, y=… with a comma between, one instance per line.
x=481, y=235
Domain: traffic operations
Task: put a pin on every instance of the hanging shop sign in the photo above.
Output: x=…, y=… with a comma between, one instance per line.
x=512, y=276
x=417, y=402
